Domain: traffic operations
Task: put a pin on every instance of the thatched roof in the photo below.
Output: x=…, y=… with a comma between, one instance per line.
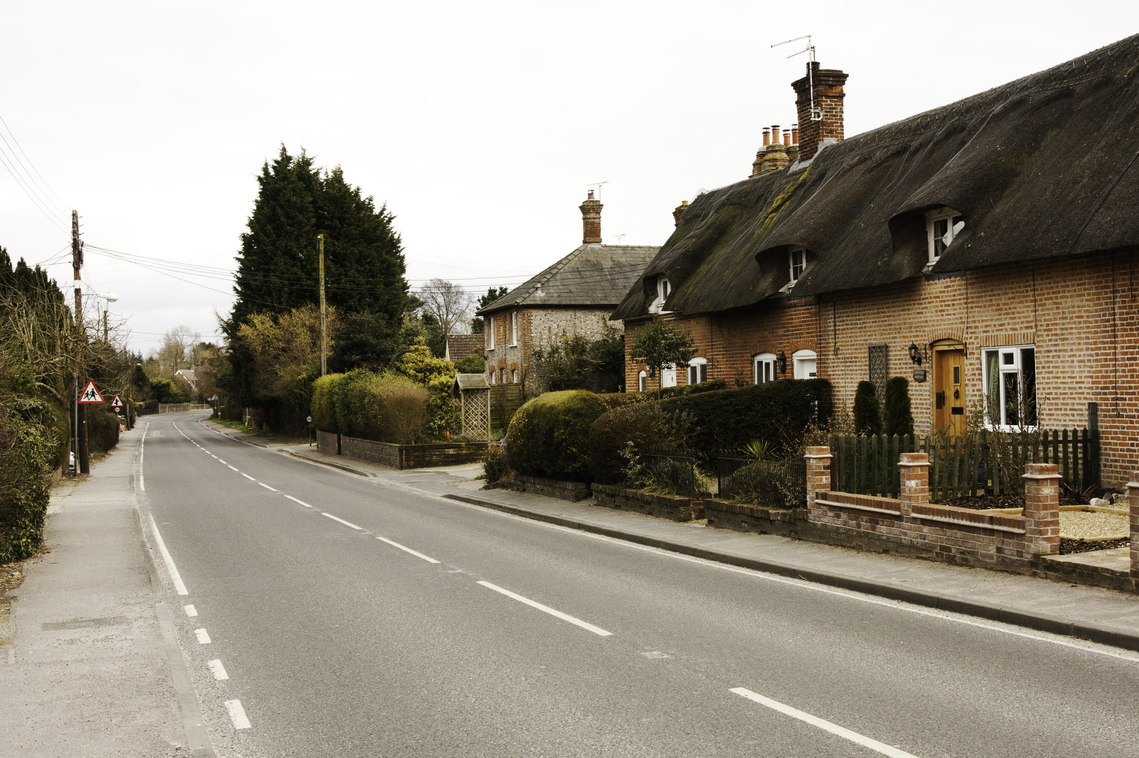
x=592, y=276
x=1043, y=167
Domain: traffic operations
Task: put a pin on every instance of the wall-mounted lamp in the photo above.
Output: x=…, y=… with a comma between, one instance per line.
x=781, y=362
x=918, y=355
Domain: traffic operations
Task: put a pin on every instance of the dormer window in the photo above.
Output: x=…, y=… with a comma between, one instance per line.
x=798, y=263
x=664, y=289
x=942, y=226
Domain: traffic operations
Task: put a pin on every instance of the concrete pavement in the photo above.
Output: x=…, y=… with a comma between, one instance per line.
x=88, y=670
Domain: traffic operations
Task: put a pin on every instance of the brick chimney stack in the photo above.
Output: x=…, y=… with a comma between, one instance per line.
x=591, y=220
x=828, y=95
x=678, y=212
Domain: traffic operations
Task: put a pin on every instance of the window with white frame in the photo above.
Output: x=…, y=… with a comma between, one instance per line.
x=664, y=289
x=493, y=376
x=804, y=363
x=697, y=370
x=763, y=368
x=514, y=376
x=798, y=263
x=668, y=375
x=514, y=328
x=642, y=381
x=1010, y=387
x=941, y=227
x=490, y=338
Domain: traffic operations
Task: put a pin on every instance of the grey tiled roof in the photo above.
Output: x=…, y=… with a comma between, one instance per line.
x=593, y=276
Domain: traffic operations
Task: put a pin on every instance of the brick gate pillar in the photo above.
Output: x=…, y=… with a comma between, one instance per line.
x=914, y=468
x=818, y=474
x=1042, y=508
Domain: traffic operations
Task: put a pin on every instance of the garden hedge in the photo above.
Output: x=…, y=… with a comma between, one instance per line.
x=549, y=436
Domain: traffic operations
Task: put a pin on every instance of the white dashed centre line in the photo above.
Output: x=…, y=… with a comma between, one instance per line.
x=191, y=611
x=546, y=609
x=300, y=502
x=407, y=550
x=203, y=636
x=342, y=521
x=846, y=734
x=266, y=486
x=232, y=467
x=247, y=476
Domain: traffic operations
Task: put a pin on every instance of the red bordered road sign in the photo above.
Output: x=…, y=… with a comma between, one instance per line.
x=90, y=394
x=116, y=403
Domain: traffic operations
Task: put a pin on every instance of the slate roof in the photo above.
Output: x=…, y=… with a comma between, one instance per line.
x=1043, y=167
x=592, y=276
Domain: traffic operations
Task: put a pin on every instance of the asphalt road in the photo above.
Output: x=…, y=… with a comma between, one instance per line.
x=350, y=617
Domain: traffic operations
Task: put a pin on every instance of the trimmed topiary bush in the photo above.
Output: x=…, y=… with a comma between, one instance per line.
x=867, y=418
x=898, y=418
x=549, y=436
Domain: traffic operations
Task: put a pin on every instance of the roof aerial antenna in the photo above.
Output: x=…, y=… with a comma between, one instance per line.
x=598, y=186
x=816, y=112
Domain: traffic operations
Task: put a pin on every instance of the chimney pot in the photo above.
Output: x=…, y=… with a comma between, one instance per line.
x=679, y=211
x=766, y=136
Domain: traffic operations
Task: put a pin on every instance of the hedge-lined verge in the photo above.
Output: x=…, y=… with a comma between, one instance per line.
x=27, y=447
x=549, y=436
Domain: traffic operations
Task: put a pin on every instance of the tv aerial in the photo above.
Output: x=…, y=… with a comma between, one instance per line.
x=816, y=112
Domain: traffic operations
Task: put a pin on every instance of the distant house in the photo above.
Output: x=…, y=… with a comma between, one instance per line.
x=187, y=375
x=575, y=295
x=986, y=250
x=459, y=346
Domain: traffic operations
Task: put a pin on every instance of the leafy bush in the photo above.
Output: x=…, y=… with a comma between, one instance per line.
x=405, y=414
x=768, y=483
x=102, y=429
x=324, y=392
x=494, y=467
x=472, y=364
x=26, y=447
x=867, y=419
x=381, y=407
x=549, y=436
x=779, y=412
x=644, y=424
x=898, y=418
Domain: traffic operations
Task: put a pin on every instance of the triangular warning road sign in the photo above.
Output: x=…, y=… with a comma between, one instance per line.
x=90, y=394
x=116, y=403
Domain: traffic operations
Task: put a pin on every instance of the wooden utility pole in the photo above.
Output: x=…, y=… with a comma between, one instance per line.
x=323, y=320
x=82, y=454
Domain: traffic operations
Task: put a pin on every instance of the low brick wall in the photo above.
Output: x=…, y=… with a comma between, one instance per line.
x=743, y=517
x=556, y=488
x=402, y=456
x=912, y=525
x=671, y=507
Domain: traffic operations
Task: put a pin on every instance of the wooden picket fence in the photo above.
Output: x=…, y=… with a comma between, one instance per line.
x=962, y=466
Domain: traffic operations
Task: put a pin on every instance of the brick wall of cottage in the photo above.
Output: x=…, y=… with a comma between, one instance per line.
x=1079, y=314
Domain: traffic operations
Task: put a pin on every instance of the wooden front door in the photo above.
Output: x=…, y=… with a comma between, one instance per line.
x=949, y=390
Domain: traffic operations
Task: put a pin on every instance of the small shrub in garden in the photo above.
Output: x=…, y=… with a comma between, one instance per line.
x=549, y=436
x=898, y=418
x=494, y=467
x=102, y=429
x=405, y=414
x=867, y=418
x=642, y=424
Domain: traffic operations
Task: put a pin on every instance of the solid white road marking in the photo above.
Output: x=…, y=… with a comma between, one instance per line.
x=191, y=611
x=342, y=521
x=301, y=502
x=546, y=609
x=218, y=670
x=855, y=737
x=266, y=486
x=175, y=577
x=141, y=455
x=237, y=714
x=203, y=636
x=407, y=550
x=247, y=476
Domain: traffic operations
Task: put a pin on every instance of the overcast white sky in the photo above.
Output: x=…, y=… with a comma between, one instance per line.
x=482, y=125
